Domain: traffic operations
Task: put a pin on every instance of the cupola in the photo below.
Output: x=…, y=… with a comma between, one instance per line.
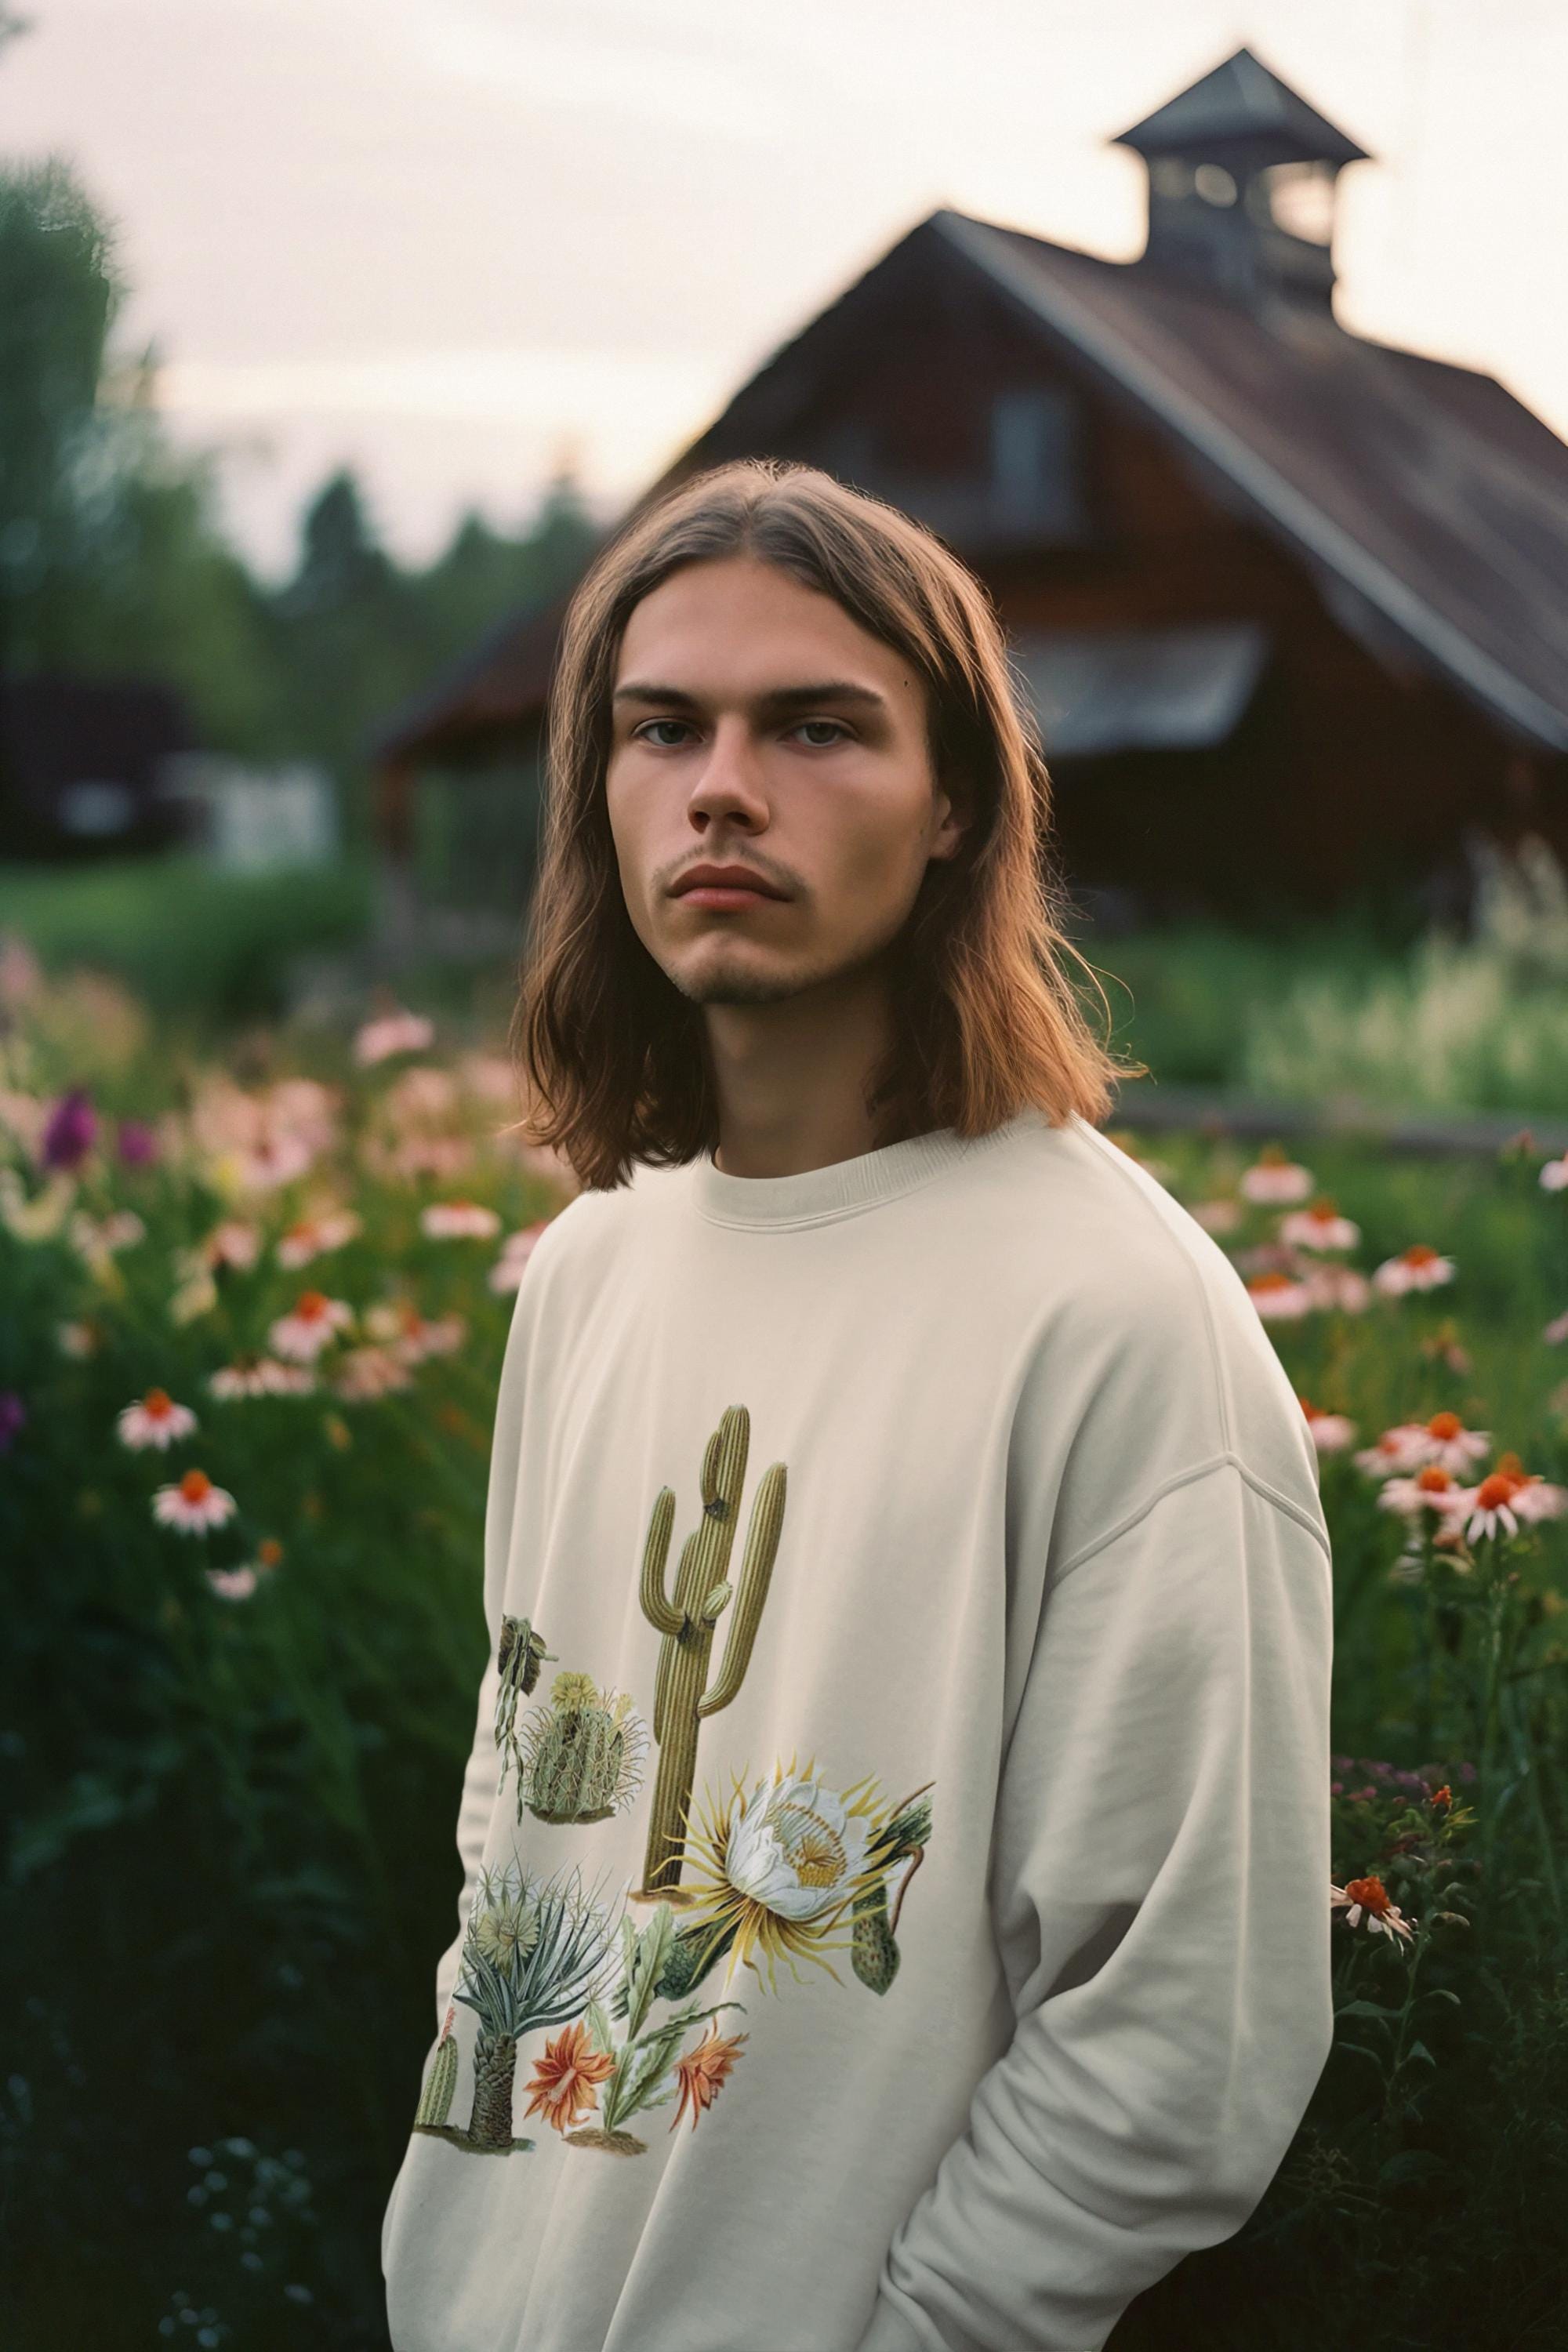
x=1242, y=184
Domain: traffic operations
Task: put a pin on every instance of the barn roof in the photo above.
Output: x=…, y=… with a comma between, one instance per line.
x=1431, y=506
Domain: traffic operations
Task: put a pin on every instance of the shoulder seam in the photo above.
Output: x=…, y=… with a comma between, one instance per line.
x=1178, y=1243
x=1227, y=1460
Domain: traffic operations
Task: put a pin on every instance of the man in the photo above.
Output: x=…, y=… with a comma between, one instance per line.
x=895, y=1911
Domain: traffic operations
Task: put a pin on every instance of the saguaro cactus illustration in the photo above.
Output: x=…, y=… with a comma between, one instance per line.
x=701, y=1594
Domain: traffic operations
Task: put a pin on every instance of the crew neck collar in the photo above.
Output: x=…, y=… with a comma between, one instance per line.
x=841, y=1189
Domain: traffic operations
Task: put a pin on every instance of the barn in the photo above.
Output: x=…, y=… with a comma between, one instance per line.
x=1292, y=605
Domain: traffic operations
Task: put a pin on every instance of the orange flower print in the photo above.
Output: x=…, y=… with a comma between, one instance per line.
x=703, y=2068
x=564, y=2079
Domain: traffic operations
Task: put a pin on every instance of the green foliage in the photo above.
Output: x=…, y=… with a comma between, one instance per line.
x=199, y=945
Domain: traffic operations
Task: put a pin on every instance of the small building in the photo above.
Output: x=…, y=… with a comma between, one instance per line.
x=1292, y=604
x=83, y=764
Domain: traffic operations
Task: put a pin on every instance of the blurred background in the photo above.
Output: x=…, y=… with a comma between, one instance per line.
x=1223, y=343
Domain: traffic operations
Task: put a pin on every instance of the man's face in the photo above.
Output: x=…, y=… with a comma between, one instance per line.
x=755, y=724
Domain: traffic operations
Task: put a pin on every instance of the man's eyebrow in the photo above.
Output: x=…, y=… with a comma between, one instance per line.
x=780, y=698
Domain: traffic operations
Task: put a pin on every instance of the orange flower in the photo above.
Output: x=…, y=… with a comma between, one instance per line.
x=702, y=2069
x=564, y=2079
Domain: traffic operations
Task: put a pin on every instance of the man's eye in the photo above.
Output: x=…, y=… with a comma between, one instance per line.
x=643, y=732
x=840, y=729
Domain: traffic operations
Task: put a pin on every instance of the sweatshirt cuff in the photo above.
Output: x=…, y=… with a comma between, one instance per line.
x=889, y=2332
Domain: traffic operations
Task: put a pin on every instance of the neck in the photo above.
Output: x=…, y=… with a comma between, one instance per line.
x=791, y=1078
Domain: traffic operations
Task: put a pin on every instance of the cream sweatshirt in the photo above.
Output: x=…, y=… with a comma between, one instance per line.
x=895, y=1842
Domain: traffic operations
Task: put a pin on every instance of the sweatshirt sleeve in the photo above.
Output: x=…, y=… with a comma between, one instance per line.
x=481, y=1773
x=1160, y=1898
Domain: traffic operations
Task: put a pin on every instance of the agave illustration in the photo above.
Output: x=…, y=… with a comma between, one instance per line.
x=532, y=1956
x=580, y=1758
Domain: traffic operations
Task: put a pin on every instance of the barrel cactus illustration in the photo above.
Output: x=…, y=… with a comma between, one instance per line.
x=534, y=1953
x=519, y=1655
x=435, y=2099
x=687, y=1621
x=581, y=1757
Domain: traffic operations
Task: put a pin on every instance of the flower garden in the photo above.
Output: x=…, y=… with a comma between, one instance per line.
x=254, y=1309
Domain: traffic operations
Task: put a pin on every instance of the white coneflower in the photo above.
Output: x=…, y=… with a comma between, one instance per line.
x=1320, y=1227
x=194, y=1505
x=1275, y=1178
x=250, y=1376
x=458, y=1221
x=1280, y=1296
x=1417, y=1268
x=312, y=1236
x=154, y=1420
x=1330, y=1432
x=100, y=1237
x=398, y=1032
x=1368, y=1898
x=313, y=1324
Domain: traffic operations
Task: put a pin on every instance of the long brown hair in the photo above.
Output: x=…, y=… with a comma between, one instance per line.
x=612, y=1056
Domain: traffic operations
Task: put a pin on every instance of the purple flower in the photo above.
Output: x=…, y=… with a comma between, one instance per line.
x=71, y=1130
x=13, y=1414
x=137, y=1142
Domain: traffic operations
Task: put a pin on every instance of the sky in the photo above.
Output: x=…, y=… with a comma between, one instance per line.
x=457, y=243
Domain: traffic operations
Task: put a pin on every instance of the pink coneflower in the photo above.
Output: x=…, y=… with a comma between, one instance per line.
x=13, y=1417
x=1534, y=1499
x=239, y=1583
x=400, y=1325
x=1216, y=1216
x=83, y=1336
x=458, y=1221
x=1330, y=1432
x=156, y=1420
x=70, y=1131
x=1444, y=1440
x=274, y=1160
x=1555, y=1174
x=315, y=1321
x=1555, y=1330
x=398, y=1032
x=233, y=1583
x=231, y=1242
x=515, y=1252
x=136, y=1142
x=1337, y=1286
x=1417, y=1268
x=363, y=1373
x=1320, y=1227
x=1279, y=1297
x=1368, y=1899
x=253, y=1375
x=1432, y=1488
x=194, y=1505
x=1492, y=1507
x=1404, y=1447
x=309, y=1237
x=1276, y=1178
